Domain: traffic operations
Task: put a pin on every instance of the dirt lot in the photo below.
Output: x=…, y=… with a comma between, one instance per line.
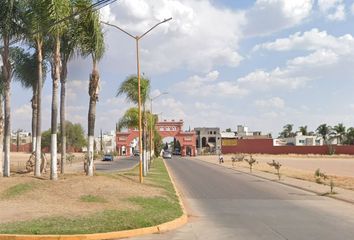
x=339, y=168
x=63, y=197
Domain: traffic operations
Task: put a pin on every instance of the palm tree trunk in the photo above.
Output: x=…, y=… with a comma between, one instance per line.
x=37, y=165
x=54, y=125
x=62, y=116
x=34, y=119
x=7, y=79
x=93, y=92
x=1, y=135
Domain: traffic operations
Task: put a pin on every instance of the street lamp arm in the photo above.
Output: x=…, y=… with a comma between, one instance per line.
x=106, y=23
x=165, y=20
x=153, y=98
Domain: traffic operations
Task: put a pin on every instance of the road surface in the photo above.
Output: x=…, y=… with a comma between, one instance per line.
x=225, y=204
x=118, y=164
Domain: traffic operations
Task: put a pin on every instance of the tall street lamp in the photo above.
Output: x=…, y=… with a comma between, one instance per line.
x=151, y=121
x=137, y=38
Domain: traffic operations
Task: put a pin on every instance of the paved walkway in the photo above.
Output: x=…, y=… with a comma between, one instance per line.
x=341, y=194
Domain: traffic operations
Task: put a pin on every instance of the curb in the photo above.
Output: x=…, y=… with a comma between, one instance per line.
x=164, y=227
x=283, y=183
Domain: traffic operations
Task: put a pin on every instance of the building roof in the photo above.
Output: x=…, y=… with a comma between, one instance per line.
x=227, y=135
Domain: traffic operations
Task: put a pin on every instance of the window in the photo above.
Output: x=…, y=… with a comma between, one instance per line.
x=301, y=141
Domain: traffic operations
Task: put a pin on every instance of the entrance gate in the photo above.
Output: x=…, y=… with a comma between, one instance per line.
x=126, y=140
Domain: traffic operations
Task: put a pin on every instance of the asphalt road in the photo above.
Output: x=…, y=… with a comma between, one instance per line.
x=118, y=164
x=225, y=204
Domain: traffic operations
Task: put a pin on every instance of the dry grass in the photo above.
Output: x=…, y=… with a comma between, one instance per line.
x=302, y=166
x=64, y=197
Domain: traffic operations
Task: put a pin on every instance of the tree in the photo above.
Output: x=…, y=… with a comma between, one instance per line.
x=324, y=131
x=91, y=43
x=339, y=132
x=303, y=130
x=349, y=136
x=75, y=136
x=157, y=143
x=1, y=121
x=130, y=119
x=228, y=129
x=287, y=131
x=35, y=27
x=57, y=9
x=11, y=28
x=46, y=139
x=129, y=87
x=25, y=73
x=69, y=42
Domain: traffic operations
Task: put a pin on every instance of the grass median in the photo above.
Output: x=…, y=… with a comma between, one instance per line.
x=144, y=210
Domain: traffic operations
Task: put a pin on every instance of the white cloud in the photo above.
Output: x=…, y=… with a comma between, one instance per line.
x=209, y=85
x=274, y=102
x=321, y=57
x=333, y=9
x=268, y=16
x=170, y=108
x=194, y=38
x=261, y=80
x=23, y=112
x=311, y=40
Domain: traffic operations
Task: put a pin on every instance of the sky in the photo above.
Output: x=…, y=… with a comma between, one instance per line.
x=263, y=64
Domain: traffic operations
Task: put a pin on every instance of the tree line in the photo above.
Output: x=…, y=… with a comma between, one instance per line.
x=41, y=36
x=328, y=133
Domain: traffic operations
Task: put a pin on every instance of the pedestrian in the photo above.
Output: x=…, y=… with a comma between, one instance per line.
x=221, y=159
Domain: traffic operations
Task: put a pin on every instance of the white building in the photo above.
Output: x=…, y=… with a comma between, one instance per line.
x=304, y=140
x=106, y=142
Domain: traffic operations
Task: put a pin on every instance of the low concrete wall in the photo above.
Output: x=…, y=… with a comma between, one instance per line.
x=265, y=146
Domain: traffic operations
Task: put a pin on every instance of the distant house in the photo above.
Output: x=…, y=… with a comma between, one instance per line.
x=106, y=142
x=244, y=133
x=21, y=141
x=300, y=140
x=208, y=140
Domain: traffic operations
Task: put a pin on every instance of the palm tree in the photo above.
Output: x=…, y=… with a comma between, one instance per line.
x=36, y=25
x=69, y=42
x=10, y=29
x=1, y=121
x=25, y=73
x=287, y=131
x=339, y=132
x=57, y=9
x=91, y=43
x=324, y=131
x=349, y=136
x=129, y=87
x=130, y=119
x=303, y=130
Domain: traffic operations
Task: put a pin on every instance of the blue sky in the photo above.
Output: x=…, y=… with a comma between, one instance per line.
x=262, y=63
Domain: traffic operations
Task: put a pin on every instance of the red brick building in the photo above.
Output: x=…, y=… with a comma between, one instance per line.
x=126, y=141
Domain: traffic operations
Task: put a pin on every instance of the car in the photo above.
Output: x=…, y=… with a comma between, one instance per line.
x=136, y=153
x=176, y=152
x=107, y=157
x=166, y=154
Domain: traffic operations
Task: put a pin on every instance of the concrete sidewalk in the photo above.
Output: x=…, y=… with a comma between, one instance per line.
x=320, y=189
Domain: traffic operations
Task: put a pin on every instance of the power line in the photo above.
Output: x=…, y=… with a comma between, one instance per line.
x=95, y=7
